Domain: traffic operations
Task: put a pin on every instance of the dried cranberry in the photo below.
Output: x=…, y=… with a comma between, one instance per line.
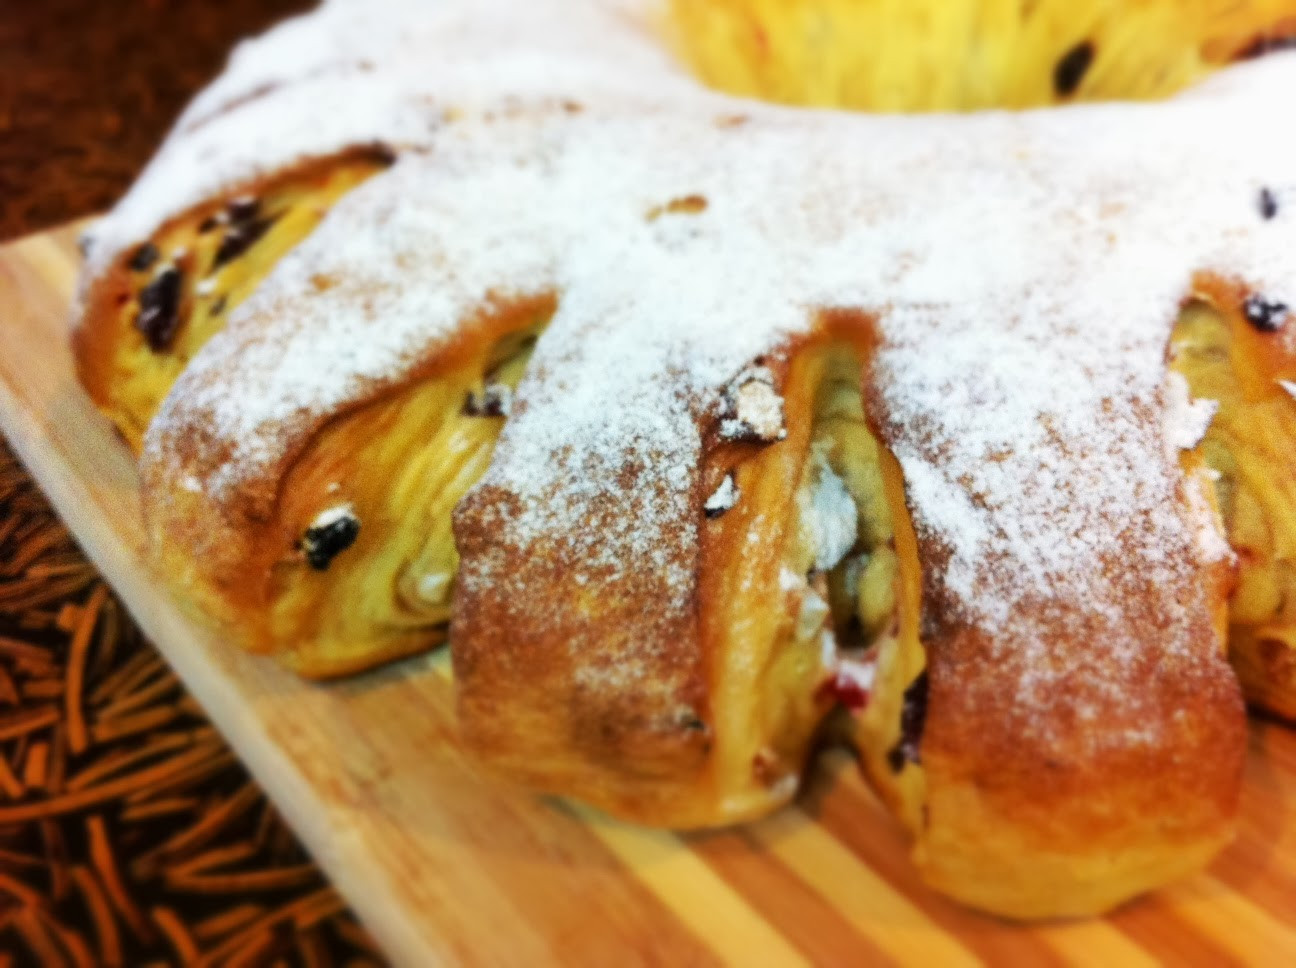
x=842, y=689
x=159, y=313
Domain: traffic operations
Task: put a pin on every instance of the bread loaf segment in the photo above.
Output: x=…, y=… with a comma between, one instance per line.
x=638, y=605
x=1233, y=350
x=160, y=303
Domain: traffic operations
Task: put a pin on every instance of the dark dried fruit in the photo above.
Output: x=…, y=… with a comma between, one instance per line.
x=1265, y=45
x=1268, y=204
x=239, y=237
x=209, y=223
x=913, y=714
x=143, y=258
x=382, y=153
x=1265, y=315
x=1071, y=69
x=159, y=313
x=244, y=208
x=693, y=724
x=332, y=533
x=218, y=306
x=494, y=400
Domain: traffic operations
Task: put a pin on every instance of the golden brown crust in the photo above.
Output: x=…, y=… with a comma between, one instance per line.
x=594, y=689
x=1106, y=780
x=106, y=331
x=536, y=663
x=1266, y=667
x=1012, y=808
x=224, y=551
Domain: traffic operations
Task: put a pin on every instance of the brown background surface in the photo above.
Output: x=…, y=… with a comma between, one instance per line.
x=129, y=833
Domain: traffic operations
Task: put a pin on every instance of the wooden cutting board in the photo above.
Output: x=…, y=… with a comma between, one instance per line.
x=446, y=864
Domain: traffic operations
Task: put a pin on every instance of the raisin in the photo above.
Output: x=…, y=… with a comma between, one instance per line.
x=1072, y=67
x=913, y=714
x=333, y=534
x=494, y=400
x=383, y=154
x=159, y=312
x=1268, y=204
x=143, y=258
x=1265, y=315
x=1265, y=45
x=238, y=238
x=244, y=208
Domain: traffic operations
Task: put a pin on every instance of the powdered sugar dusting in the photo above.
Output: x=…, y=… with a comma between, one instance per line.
x=1186, y=419
x=1025, y=271
x=390, y=71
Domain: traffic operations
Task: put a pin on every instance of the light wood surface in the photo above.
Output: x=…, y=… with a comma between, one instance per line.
x=448, y=865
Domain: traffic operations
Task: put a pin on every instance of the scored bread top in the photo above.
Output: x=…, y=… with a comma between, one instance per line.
x=1024, y=271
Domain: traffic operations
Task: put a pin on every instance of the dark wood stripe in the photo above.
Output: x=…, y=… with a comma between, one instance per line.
x=1261, y=863
x=1167, y=937
x=849, y=810
x=794, y=909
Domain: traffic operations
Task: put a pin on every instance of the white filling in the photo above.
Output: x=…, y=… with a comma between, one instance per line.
x=434, y=588
x=1186, y=419
x=813, y=615
x=724, y=497
x=861, y=674
x=829, y=515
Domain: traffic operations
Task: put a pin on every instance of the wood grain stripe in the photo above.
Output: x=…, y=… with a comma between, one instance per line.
x=850, y=809
x=1237, y=926
x=865, y=899
x=811, y=922
x=694, y=893
x=1093, y=942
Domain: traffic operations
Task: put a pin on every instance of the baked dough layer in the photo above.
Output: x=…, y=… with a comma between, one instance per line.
x=161, y=303
x=1247, y=369
x=1066, y=728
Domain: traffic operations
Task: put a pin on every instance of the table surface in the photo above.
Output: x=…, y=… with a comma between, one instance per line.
x=188, y=859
